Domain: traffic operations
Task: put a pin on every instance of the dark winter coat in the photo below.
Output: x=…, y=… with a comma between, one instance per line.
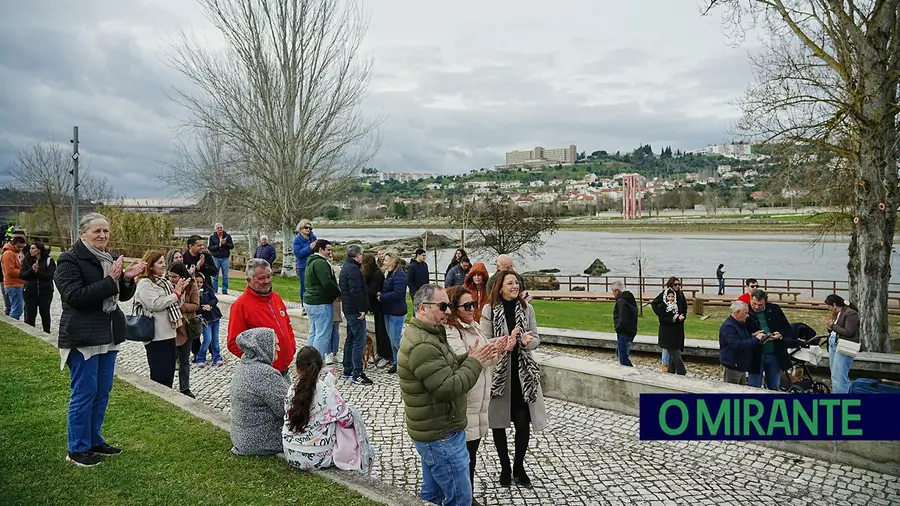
x=266, y=252
x=455, y=277
x=354, y=294
x=671, y=333
x=209, y=269
x=736, y=345
x=38, y=285
x=221, y=248
x=208, y=298
x=82, y=289
x=393, y=294
x=374, y=283
x=417, y=276
x=625, y=314
x=778, y=322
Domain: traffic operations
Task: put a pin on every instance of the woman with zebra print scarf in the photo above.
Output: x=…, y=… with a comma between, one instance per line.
x=516, y=394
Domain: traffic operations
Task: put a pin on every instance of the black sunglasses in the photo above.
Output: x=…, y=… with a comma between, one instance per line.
x=443, y=306
x=306, y=228
x=468, y=306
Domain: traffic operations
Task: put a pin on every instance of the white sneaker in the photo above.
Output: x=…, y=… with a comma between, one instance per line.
x=329, y=358
x=383, y=363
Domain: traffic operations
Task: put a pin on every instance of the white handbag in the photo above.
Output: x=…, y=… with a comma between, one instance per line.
x=847, y=347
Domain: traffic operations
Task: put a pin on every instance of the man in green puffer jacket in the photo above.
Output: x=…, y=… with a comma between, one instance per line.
x=434, y=382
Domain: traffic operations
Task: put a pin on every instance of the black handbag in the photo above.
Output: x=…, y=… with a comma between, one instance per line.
x=139, y=327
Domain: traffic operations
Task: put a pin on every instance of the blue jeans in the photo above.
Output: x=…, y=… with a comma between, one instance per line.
x=6, y=304
x=623, y=348
x=354, y=345
x=722, y=286
x=335, y=342
x=321, y=321
x=16, y=305
x=222, y=264
x=91, y=382
x=210, y=343
x=394, y=326
x=840, y=367
x=768, y=367
x=445, y=470
x=301, y=273
x=665, y=357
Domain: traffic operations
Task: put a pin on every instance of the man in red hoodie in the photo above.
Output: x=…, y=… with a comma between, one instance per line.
x=260, y=307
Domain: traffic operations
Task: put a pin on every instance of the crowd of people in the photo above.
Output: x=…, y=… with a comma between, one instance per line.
x=754, y=340
x=464, y=360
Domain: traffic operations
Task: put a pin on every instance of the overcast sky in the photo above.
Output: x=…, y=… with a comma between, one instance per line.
x=459, y=83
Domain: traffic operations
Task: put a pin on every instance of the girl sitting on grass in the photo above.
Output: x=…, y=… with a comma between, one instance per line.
x=320, y=429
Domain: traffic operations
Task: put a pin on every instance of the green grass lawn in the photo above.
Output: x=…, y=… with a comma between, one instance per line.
x=170, y=456
x=597, y=316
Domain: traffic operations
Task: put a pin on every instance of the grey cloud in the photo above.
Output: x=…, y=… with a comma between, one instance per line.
x=91, y=64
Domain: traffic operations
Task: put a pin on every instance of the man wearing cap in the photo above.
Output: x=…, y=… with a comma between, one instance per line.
x=417, y=273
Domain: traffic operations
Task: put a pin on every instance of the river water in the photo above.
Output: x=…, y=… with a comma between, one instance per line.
x=686, y=255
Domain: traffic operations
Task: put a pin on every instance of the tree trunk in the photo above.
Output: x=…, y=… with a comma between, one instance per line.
x=874, y=221
x=288, y=262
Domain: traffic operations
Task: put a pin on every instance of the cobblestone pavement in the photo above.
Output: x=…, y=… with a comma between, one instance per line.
x=589, y=456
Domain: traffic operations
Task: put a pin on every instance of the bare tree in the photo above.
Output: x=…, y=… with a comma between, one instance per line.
x=281, y=102
x=828, y=84
x=506, y=229
x=43, y=170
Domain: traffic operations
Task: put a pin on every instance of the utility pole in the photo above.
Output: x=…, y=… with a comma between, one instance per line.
x=74, y=173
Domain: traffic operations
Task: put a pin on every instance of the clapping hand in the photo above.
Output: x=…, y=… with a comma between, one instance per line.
x=134, y=269
x=486, y=353
x=34, y=267
x=527, y=337
x=201, y=261
x=181, y=284
x=115, y=270
x=507, y=343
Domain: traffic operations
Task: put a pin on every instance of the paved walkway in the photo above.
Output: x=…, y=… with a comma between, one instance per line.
x=589, y=456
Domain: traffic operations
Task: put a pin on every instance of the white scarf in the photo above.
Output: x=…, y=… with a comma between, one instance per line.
x=106, y=260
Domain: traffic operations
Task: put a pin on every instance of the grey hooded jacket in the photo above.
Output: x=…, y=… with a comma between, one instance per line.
x=257, y=396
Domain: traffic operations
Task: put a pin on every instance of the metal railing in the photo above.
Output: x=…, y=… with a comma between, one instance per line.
x=817, y=288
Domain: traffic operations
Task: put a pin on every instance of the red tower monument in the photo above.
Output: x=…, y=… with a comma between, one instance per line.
x=631, y=204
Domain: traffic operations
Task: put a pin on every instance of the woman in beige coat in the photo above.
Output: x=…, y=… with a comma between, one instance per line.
x=516, y=394
x=464, y=335
x=160, y=300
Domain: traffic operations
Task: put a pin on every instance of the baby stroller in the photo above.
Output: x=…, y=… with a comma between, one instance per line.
x=798, y=379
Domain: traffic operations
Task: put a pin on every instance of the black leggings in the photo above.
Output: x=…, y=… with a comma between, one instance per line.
x=521, y=420
x=35, y=304
x=472, y=446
